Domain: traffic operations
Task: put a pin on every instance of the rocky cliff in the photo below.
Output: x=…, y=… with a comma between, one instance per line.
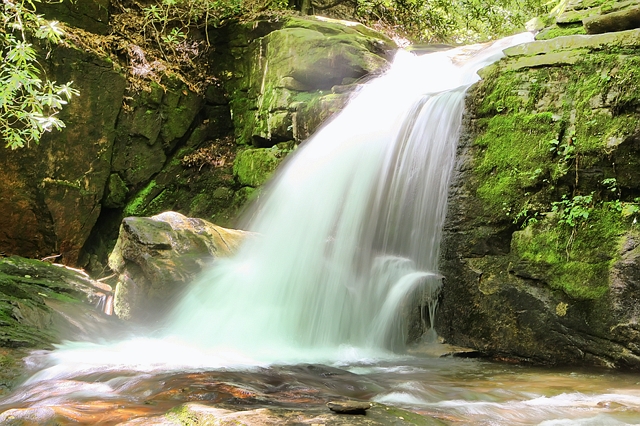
x=541, y=249
x=142, y=138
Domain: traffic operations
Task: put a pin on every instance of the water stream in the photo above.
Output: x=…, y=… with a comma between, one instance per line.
x=317, y=305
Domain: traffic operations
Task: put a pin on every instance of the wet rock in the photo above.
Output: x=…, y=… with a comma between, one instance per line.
x=198, y=413
x=157, y=256
x=45, y=416
x=622, y=16
x=520, y=282
x=348, y=407
x=41, y=303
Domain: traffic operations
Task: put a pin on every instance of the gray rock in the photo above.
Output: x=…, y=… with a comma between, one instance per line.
x=155, y=257
x=618, y=20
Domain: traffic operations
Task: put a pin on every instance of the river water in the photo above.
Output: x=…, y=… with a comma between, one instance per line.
x=454, y=390
x=317, y=306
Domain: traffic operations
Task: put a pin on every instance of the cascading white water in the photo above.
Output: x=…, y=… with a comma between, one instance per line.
x=347, y=237
x=351, y=226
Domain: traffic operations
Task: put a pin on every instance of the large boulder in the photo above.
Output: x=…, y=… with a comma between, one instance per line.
x=540, y=252
x=52, y=192
x=272, y=67
x=155, y=257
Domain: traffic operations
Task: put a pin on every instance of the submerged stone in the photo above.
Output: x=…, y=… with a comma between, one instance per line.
x=349, y=407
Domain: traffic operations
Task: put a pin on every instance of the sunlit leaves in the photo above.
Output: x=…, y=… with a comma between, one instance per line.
x=452, y=21
x=28, y=104
x=51, y=31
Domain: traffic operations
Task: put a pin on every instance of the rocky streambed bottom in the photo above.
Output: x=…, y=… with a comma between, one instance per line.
x=407, y=391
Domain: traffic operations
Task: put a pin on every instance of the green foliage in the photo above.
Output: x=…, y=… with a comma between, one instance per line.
x=573, y=211
x=28, y=103
x=167, y=22
x=454, y=21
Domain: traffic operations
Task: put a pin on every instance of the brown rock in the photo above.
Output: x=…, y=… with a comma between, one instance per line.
x=348, y=407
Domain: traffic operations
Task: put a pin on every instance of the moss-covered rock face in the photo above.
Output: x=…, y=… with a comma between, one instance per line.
x=253, y=167
x=274, y=67
x=541, y=234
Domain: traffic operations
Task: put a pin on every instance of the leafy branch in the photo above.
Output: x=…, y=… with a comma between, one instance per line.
x=28, y=103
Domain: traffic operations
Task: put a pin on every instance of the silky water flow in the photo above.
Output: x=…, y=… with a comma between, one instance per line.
x=348, y=234
x=346, y=238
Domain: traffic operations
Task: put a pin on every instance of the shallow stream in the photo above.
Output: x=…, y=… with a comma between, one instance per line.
x=455, y=391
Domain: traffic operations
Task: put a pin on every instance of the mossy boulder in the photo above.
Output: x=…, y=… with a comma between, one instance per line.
x=271, y=64
x=253, y=167
x=541, y=232
x=155, y=257
x=592, y=17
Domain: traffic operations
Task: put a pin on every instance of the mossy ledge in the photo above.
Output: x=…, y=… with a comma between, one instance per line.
x=541, y=247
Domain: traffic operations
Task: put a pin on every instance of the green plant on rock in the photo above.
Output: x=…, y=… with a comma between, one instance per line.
x=573, y=211
x=167, y=22
x=29, y=103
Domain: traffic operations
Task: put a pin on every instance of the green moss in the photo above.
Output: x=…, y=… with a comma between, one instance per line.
x=503, y=93
x=605, y=81
x=576, y=260
x=138, y=204
x=515, y=157
x=559, y=31
x=253, y=167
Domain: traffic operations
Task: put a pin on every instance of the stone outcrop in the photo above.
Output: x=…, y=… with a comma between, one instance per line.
x=275, y=71
x=51, y=194
x=593, y=17
x=139, y=140
x=42, y=303
x=156, y=257
x=541, y=242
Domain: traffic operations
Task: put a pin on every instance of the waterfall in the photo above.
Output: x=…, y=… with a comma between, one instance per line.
x=349, y=230
x=346, y=239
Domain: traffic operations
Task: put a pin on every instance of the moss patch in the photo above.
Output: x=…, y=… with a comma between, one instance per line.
x=576, y=260
x=253, y=167
x=516, y=156
x=559, y=31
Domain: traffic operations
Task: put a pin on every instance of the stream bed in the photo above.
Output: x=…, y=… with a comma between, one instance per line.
x=452, y=391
